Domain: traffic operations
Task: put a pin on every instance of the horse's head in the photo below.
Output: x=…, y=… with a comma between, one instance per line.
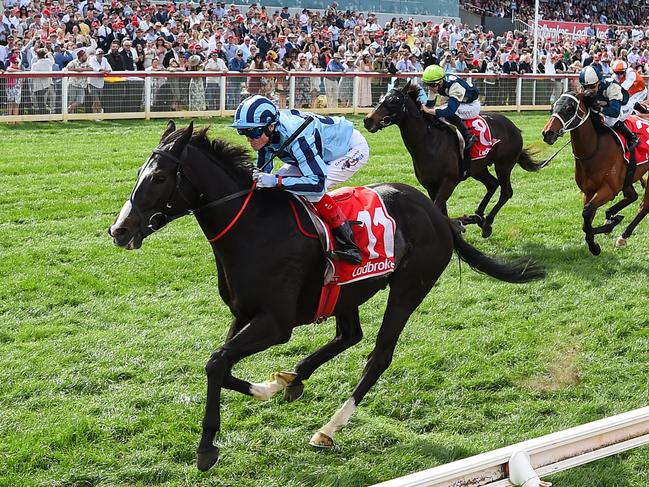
x=158, y=196
x=568, y=113
x=391, y=109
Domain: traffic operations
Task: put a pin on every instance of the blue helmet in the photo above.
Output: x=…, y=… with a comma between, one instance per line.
x=255, y=111
x=589, y=76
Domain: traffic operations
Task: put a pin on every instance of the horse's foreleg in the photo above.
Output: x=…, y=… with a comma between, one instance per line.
x=444, y=192
x=348, y=333
x=262, y=332
x=588, y=214
x=491, y=184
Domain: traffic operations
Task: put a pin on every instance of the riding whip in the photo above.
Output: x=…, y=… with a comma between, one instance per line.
x=290, y=140
x=546, y=162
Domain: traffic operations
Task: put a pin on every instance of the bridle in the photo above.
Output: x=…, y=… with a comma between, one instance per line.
x=566, y=124
x=388, y=120
x=161, y=218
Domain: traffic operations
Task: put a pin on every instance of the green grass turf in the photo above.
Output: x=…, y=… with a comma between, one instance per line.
x=102, y=350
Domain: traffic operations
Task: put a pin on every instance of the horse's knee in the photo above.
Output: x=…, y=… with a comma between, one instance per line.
x=218, y=362
x=588, y=211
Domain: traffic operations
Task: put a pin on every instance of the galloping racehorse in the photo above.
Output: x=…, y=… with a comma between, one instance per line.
x=436, y=156
x=270, y=273
x=600, y=167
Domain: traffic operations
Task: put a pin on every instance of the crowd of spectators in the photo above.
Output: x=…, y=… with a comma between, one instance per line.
x=613, y=12
x=82, y=36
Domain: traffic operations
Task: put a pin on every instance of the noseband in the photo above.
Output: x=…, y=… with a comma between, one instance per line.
x=389, y=119
x=566, y=124
x=161, y=218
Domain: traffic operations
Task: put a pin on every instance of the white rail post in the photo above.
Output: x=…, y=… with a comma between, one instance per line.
x=222, y=95
x=355, y=86
x=65, y=83
x=519, y=93
x=291, y=92
x=147, y=97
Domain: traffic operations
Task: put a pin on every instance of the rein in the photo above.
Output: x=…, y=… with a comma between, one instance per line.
x=389, y=119
x=565, y=125
x=160, y=219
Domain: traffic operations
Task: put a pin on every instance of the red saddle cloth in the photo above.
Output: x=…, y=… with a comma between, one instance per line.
x=374, y=237
x=480, y=129
x=640, y=127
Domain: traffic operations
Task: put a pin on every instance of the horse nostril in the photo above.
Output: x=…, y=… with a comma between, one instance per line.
x=116, y=232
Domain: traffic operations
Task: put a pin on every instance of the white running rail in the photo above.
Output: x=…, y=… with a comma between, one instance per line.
x=548, y=454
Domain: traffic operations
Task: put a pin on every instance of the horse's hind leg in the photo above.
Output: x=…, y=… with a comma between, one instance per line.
x=491, y=184
x=403, y=300
x=506, y=192
x=612, y=217
x=628, y=231
x=348, y=333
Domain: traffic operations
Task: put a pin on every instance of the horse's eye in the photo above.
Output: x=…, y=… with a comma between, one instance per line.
x=159, y=178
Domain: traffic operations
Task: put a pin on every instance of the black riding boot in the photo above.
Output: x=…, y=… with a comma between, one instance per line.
x=469, y=140
x=347, y=249
x=640, y=108
x=632, y=140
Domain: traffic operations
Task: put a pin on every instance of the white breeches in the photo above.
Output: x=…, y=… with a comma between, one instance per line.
x=467, y=111
x=625, y=112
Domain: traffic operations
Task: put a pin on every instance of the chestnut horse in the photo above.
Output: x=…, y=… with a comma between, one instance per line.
x=600, y=167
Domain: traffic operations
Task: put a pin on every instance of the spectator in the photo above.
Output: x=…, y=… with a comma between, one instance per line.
x=99, y=64
x=331, y=82
x=213, y=83
x=14, y=87
x=77, y=84
x=196, y=86
x=42, y=87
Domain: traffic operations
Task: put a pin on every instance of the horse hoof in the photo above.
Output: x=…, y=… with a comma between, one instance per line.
x=293, y=392
x=284, y=378
x=486, y=231
x=595, y=249
x=205, y=459
x=620, y=243
x=321, y=440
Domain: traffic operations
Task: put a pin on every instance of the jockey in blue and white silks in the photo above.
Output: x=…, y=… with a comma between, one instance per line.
x=328, y=151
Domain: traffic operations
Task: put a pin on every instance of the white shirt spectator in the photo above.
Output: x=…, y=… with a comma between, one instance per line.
x=98, y=65
x=42, y=65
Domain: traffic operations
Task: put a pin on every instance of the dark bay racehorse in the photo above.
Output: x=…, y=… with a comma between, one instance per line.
x=600, y=167
x=270, y=274
x=434, y=148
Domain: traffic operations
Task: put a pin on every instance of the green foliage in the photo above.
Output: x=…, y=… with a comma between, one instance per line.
x=102, y=350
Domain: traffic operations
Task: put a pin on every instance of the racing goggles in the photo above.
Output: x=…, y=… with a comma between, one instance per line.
x=252, y=133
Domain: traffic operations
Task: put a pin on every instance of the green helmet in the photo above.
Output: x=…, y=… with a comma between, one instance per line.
x=433, y=74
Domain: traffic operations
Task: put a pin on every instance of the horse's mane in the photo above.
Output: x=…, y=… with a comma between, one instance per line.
x=234, y=159
x=413, y=92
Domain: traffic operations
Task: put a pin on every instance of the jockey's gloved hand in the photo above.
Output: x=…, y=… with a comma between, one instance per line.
x=264, y=180
x=430, y=104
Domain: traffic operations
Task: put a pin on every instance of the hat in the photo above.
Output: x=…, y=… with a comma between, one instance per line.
x=81, y=52
x=239, y=52
x=194, y=60
x=337, y=56
x=272, y=54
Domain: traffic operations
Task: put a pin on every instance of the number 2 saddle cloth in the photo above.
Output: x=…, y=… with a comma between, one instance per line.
x=640, y=127
x=374, y=232
x=480, y=129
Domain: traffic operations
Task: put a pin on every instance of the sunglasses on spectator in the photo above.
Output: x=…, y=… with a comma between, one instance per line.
x=252, y=133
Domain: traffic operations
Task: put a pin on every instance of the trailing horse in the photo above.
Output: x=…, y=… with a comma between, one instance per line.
x=436, y=153
x=600, y=167
x=270, y=273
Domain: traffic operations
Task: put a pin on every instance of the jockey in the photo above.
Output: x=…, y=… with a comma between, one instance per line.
x=611, y=100
x=328, y=151
x=463, y=104
x=632, y=82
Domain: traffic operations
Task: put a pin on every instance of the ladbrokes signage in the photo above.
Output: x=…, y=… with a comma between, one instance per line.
x=553, y=30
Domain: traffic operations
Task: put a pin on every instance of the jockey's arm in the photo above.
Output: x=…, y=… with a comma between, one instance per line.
x=629, y=79
x=614, y=95
x=311, y=184
x=263, y=156
x=451, y=107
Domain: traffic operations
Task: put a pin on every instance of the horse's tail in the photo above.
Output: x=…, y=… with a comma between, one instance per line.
x=527, y=162
x=517, y=271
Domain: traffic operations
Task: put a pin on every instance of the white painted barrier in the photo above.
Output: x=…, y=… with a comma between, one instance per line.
x=548, y=454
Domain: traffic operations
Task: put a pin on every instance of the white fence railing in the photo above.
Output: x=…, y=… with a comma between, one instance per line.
x=27, y=96
x=548, y=454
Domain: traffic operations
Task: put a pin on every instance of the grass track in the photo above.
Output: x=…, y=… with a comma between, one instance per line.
x=102, y=350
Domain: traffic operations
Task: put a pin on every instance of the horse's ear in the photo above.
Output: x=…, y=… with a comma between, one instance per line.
x=406, y=88
x=184, y=139
x=169, y=129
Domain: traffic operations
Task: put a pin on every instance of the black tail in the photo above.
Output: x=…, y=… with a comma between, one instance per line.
x=517, y=271
x=526, y=162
